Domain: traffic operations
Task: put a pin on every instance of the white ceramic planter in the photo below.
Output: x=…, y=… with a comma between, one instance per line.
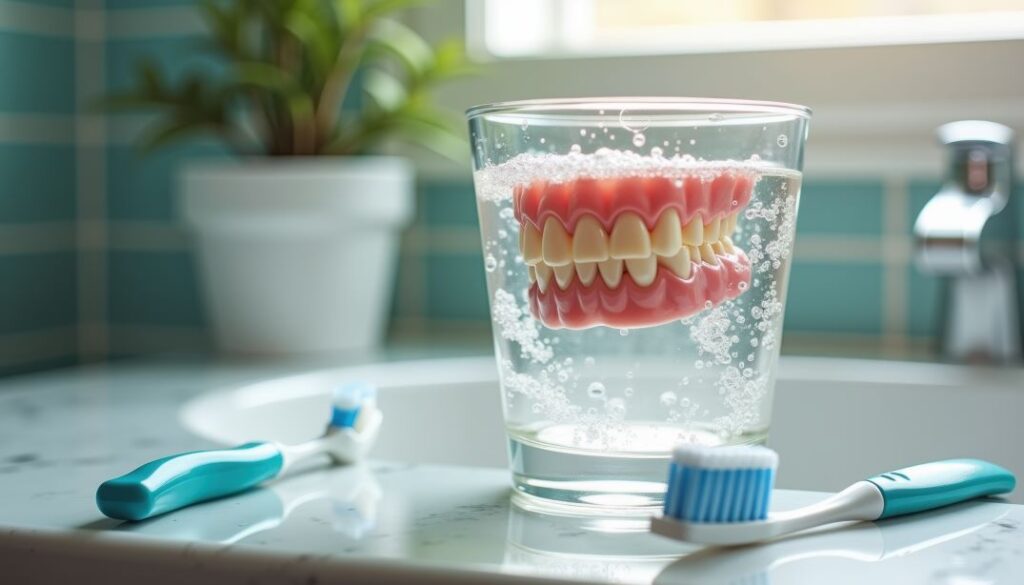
x=298, y=256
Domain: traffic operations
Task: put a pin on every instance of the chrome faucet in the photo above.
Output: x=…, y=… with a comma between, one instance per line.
x=966, y=233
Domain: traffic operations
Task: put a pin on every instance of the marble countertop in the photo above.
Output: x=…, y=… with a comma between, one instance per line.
x=62, y=433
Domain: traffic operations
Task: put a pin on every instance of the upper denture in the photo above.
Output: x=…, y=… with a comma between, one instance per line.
x=710, y=197
x=632, y=251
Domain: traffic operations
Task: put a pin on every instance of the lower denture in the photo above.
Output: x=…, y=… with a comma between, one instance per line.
x=666, y=251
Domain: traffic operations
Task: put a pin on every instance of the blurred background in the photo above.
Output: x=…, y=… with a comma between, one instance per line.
x=96, y=264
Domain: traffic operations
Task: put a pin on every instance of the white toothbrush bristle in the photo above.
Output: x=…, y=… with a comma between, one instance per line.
x=720, y=484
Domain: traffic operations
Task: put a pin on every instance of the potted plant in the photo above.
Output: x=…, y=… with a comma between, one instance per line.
x=298, y=235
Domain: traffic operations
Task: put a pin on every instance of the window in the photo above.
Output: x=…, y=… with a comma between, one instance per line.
x=530, y=28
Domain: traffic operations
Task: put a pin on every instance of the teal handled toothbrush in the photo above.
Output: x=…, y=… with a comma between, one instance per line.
x=721, y=495
x=181, y=480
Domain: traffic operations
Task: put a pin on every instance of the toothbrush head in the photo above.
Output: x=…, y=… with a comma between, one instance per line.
x=720, y=484
x=354, y=424
x=349, y=401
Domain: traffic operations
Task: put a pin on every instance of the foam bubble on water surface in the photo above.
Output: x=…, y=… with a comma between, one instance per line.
x=496, y=182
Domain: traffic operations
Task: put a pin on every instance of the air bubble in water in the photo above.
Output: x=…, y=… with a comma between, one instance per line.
x=490, y=263
x=657, y=152
x=588, y=361
x=616, y=407
x=629, y=374
x=628, y=391
x=543, y=140
x=693, y=141
x=742, y=286
x=708, y=304
x=524, y=124
x=596, y=390
x=633, y=123
x=575, y=149
x=668, y=398
x=716, y=117
x=782, y=140
x=685, y=402
x=583, y=131
x=623, y=332
x=678, y=183
x=502, y=233
x=639, y=139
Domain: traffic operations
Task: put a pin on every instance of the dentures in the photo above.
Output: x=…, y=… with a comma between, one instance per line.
x=632, y=252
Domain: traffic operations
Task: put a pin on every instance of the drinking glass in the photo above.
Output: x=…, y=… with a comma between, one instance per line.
x=636, y=253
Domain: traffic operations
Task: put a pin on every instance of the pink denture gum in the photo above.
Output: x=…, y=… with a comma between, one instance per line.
x=631, y=252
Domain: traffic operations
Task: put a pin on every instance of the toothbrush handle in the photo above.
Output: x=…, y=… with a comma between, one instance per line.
x=933, y=485
x=181, y=480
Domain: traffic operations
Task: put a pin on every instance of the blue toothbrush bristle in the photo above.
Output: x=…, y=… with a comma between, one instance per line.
x=348, y=401
x=720, y=484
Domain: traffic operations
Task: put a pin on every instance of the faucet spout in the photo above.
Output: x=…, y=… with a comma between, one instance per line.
x=966, y=235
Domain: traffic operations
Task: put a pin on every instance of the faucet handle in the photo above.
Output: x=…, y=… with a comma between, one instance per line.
x=968, y=132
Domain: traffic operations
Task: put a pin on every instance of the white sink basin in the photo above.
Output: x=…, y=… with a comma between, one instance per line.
x=835, y=420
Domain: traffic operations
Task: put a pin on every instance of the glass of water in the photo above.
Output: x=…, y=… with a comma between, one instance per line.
x=637, y=253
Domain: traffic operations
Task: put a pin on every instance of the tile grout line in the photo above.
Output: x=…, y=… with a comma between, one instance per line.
x=894, y=279
x=90, y=180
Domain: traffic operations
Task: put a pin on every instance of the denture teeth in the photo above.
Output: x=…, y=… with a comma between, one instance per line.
x=679, y=263
x=693, y=233
x=667, y=236
x=629, y=238
x=563, y=275
x=611, y=271
x=707, y=254
x=586, y=272
x=556, y=244
x=727, y=243
x=530, y=244
x=589, y=242
x=718, y=248
x=642, y=270
x=729, y=224
x=712, y=230
x=532, y=273
x=543, y=276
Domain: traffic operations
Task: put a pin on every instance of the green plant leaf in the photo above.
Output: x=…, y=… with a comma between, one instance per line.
x=272, y=78
x=379, y=8
x=394, y=38
x=387, y=91
x=171, y=131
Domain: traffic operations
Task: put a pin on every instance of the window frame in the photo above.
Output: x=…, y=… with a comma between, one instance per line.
x=743, y=37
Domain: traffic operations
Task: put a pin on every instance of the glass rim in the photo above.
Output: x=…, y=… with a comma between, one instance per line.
x=665, y=105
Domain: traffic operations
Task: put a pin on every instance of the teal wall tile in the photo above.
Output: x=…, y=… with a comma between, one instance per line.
x=145, y=185
x=843, y=207
x=455, y=287
x=38, y=73
x=835, y=298
x=143, y=4
x=153, y=288
x=447, y=203
x=39, y=183
x=924, y=303
x=920, y=191
x=56, y=3
x=39, y=291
